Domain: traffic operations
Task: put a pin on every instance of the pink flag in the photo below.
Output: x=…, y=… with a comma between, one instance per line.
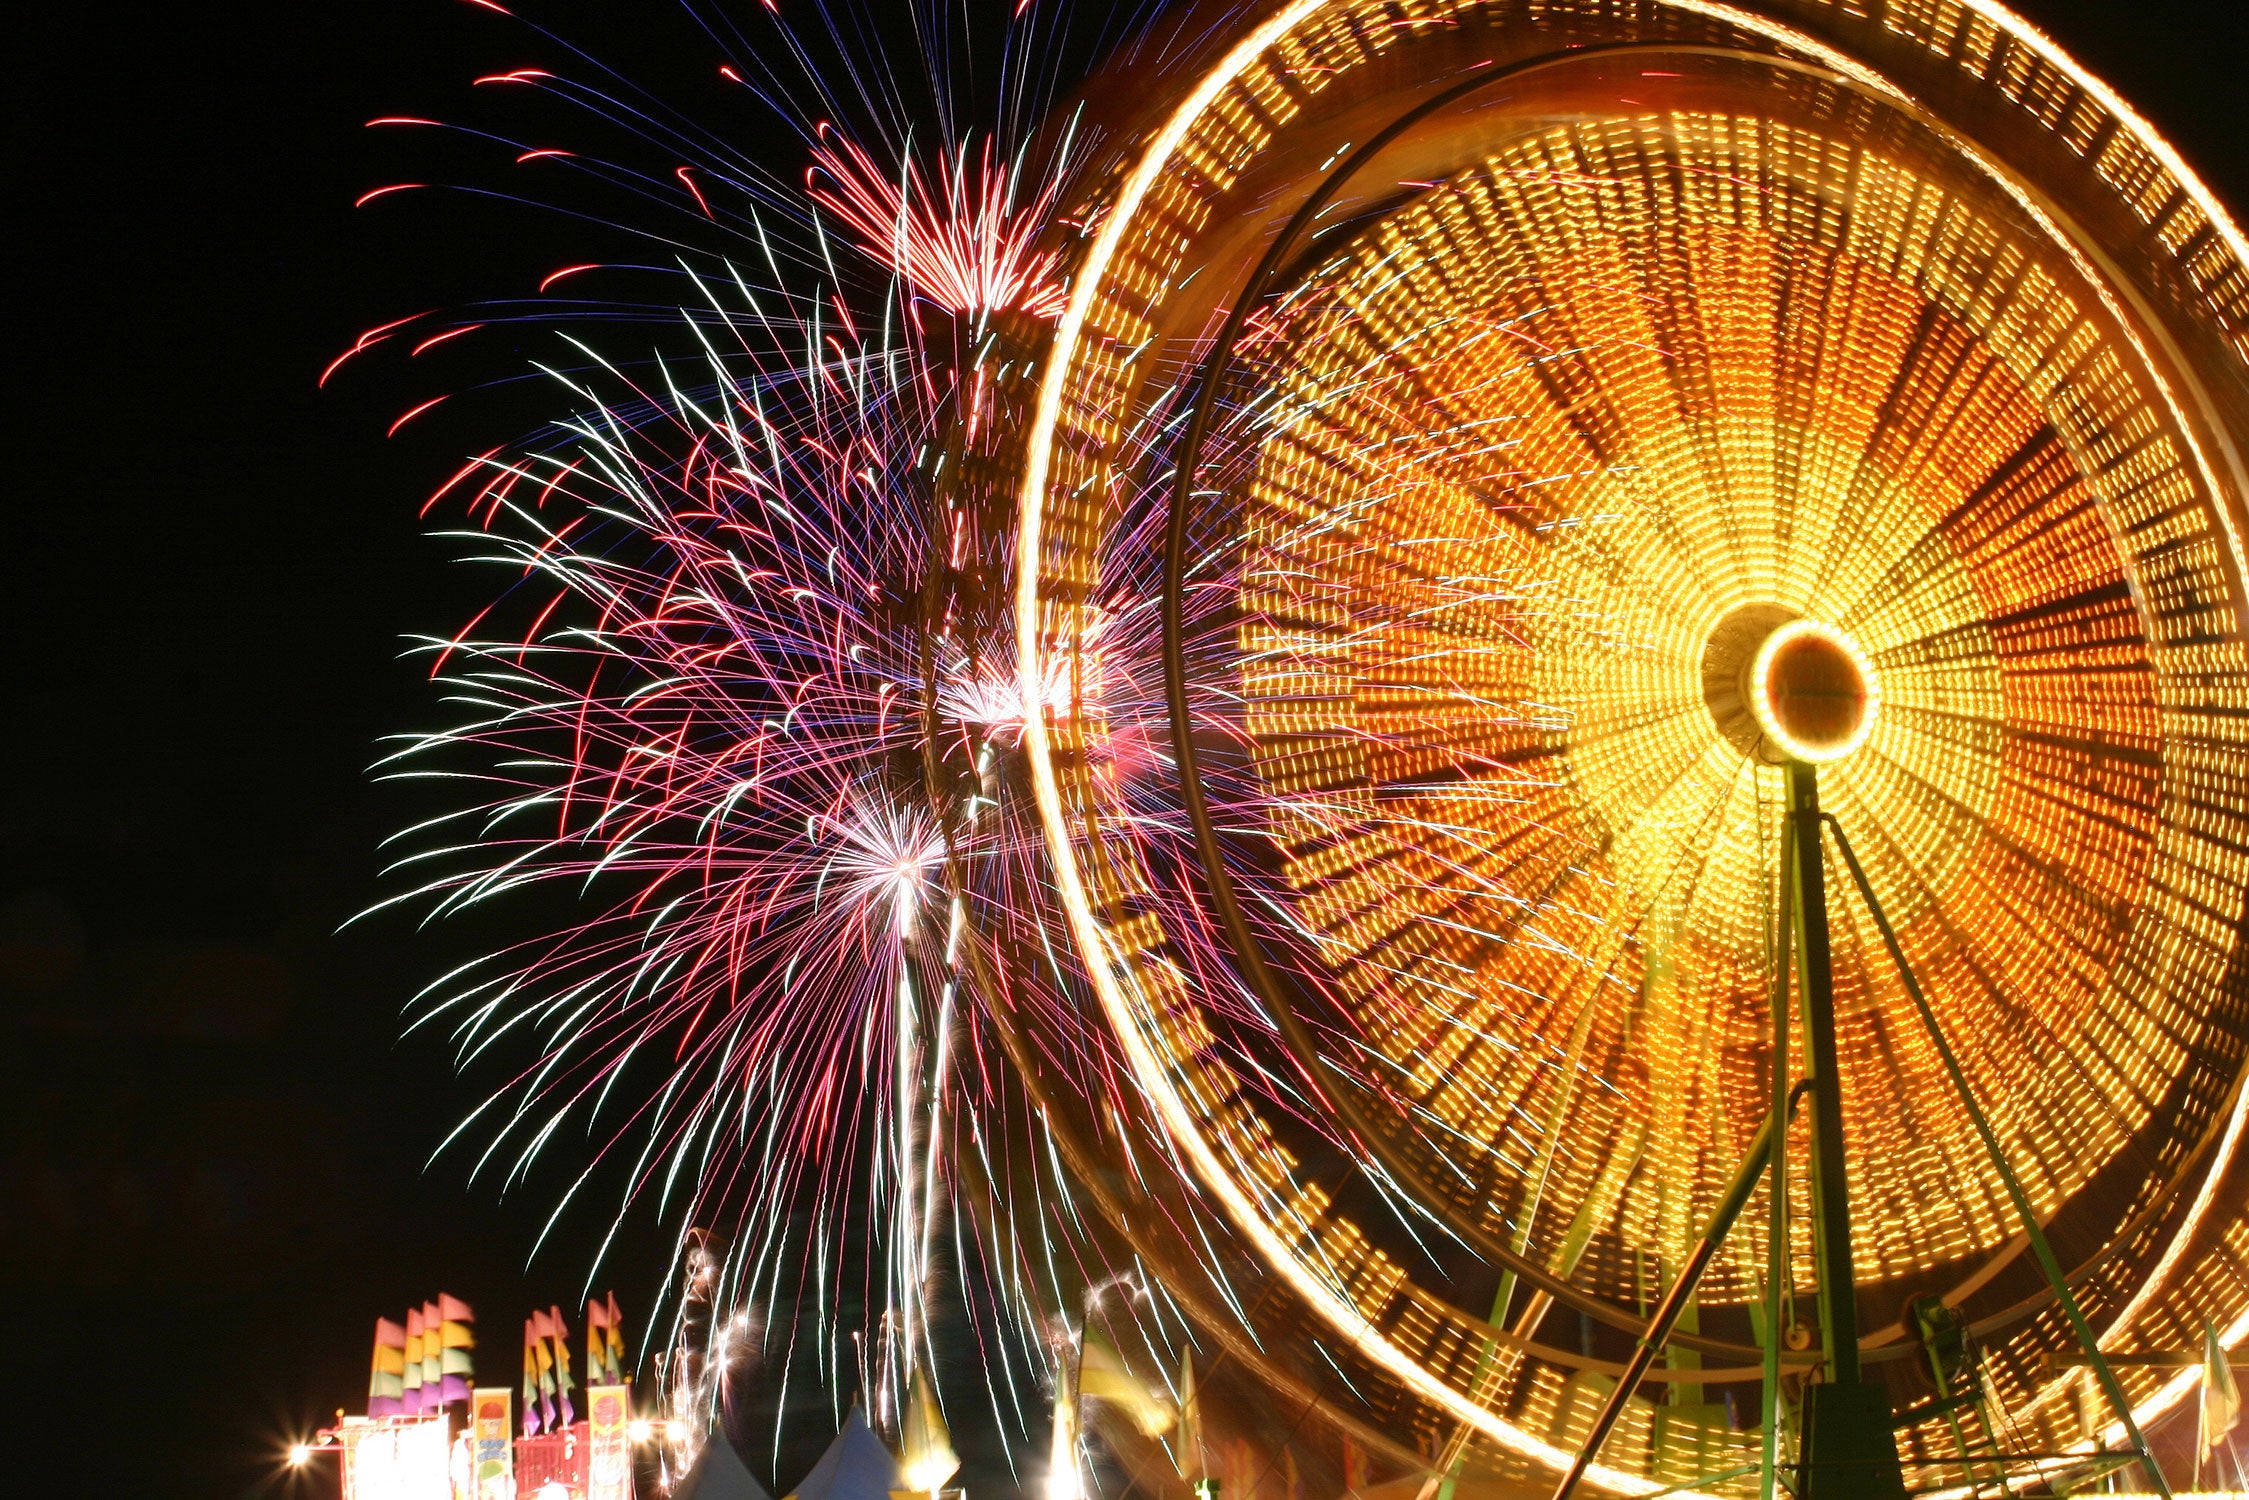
x=564, y=1385
x=386, y=1389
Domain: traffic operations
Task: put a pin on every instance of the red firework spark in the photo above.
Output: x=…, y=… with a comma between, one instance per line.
x=969, y=246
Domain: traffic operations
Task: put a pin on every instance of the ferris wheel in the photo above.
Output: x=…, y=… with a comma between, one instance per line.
x=1688, y=561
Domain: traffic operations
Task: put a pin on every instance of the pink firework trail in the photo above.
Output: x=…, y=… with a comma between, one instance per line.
x=971, y=246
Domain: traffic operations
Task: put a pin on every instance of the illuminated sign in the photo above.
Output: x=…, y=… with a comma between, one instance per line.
x=494, y=1455
x=609, y=1468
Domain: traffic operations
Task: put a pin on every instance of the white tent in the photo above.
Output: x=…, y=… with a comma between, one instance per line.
x=856, y=1466
x=719, y=1474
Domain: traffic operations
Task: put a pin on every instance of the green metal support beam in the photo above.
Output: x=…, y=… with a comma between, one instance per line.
x=1847, y=1451
x=1779, y=1276
x=1666, y=1315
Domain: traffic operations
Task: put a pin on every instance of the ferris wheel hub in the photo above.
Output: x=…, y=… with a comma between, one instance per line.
x=1813, y=691
x=1781, y=687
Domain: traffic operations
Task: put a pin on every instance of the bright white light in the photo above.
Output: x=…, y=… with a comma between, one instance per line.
x=889, y=854
x=410, y=1461
x=927, y=1474
x=299, y=1452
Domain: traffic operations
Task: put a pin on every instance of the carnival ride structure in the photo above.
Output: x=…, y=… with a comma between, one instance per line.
x=1701, y=633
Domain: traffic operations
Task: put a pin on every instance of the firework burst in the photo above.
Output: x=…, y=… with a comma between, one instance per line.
x=750, y=705
x=739, y=709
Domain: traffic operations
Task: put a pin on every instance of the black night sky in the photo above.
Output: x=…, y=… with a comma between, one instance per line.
x=212, y=1145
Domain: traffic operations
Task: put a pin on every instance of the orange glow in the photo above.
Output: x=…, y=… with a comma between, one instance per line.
x=1611, y=373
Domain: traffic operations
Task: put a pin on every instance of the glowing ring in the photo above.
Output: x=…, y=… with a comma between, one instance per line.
x=1775, y=717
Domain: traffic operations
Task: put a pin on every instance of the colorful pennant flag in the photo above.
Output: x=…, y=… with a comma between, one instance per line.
x=597, y=1321
x=532, y=1425
x=616, y=1337
x=433, y=1358
x=386, y=1386
x=564, y=1385
x=410, y=1396
x=456, y=1339
x=542, y=1339
x=597, y=1344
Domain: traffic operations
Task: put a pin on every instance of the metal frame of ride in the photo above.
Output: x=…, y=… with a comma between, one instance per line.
x=1846, y=1445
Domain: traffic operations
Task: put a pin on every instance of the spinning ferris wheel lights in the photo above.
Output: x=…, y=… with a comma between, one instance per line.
x=1897, y=347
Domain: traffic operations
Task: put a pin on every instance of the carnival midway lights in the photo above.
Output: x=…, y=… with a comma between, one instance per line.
x=1418, y=749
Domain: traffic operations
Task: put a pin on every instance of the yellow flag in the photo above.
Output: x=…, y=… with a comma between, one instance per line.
x=1102, y=1374
x=925, y=1447
x=1187, y=1452
x=2221, y=1398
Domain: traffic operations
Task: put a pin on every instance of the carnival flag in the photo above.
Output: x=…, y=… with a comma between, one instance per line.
x=616, y=1341
x=925, y=1448
x=1103, y=1374
x=2221, y=1398
x=1188, y=1454
x=564, y=1385
x=410, y=1396
x=605, y=1347
x=456, y=1340
x=386, y=1386
x=542, y=1338
x=433, y=1357
x=597, y=1319
x=531, y=1424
